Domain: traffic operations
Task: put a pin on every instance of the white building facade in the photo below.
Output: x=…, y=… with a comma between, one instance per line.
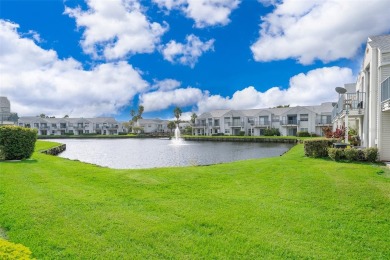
x=253, y=122
x=367, y=102
x=72, y=126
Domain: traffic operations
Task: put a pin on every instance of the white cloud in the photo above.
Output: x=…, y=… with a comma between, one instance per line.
x=166, y=84
x=36, y=81
x=116, y=28
x=181, y=97
x=326, y=30
x=313, y=88
x=188, y=53
x=203, y=12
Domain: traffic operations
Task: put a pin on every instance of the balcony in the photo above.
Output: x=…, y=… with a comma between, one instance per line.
x=385, y=95
x=200, y=124
x=234, y=124
x=323, y=122
x=289, y=122
x=262, y=123
x=355, y=102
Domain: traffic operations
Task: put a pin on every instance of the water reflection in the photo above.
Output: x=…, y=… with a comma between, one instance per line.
x=151, y=153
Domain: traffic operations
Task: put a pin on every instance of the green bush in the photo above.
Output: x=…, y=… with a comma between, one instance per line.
x=9, y=250
x=17, y=142
x=371, y=154
x=218, y=134
x=318, y=147
x=303, y=134
x=351, y=154
x=271, y=132
x=336, y=154
x=241, y=133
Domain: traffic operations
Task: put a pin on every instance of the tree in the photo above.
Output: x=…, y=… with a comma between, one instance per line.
x=66, y=116
x=177, y=112
x=140, y=111
x=171, y=125
x=193, y=118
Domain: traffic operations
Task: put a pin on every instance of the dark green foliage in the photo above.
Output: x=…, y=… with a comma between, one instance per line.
x=317, y=147
x=371, y=154
x=303, y=134
x=241, y=133
x=218, y=134
x=122, y=133
x=17, y=142
x=336, y=154
x=351, y=154
x=271, y=132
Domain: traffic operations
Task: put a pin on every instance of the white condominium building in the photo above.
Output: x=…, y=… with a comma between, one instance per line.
x=289, y=120
x=366, y=103
x=76, y=126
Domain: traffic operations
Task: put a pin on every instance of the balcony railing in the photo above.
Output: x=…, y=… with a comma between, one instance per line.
x=289, y=122
x=262, y=123
x=234, y=124
x=352, y=101
x=323, y=122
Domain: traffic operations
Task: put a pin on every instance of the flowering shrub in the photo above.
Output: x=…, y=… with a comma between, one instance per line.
x=9, y=250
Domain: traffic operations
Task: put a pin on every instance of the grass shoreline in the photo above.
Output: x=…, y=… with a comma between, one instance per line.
x=282, y=207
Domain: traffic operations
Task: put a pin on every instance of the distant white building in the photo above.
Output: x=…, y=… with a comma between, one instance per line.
x=76, y=126
x=153, y=125
x=6, y=116
x=367, y=101
x=289, y=120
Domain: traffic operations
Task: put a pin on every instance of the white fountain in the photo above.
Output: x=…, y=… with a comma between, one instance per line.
x=177, y=140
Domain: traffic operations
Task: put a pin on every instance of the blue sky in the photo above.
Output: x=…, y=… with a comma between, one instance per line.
x=102, y=58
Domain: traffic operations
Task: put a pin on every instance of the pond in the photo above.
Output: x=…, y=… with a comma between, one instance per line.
x=151, y=153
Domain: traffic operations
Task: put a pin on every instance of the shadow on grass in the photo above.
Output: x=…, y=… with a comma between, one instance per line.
x=28, y=161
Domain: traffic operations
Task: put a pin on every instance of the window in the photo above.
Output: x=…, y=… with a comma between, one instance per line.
x=36, y=125
x=304, y=130
x=304, y=117
x=227, y=131
x=54, y=125
x=275, y=118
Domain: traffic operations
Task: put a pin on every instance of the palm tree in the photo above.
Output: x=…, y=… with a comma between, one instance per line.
x=193, y=118
x=171, y=125
x=177, y=113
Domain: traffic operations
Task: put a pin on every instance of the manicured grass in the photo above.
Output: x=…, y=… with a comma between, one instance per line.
x=284, y=207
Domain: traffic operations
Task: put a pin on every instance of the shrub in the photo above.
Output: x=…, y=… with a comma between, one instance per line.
x=317, y=147
x=351, y=154
x=241, y=133
x=303, y=134
x=122, y=133
x=218, y=134
x=271, y=132
x=9, y=250
x=371, y=154
x=336, y=154
x=17, y=142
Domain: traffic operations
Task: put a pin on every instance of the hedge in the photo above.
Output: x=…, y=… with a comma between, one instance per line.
x=17, y=143
x=318, y=147
x=9, y=250
x=353, y=154
x=303, y=134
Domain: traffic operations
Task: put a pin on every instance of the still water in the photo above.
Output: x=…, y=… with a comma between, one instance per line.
x=151, y=153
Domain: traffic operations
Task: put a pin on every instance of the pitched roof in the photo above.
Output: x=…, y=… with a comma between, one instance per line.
x=381, y=42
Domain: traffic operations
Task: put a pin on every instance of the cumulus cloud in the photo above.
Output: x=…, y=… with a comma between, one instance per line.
x=116, y=28
x=326, y=30
x=312, y=88
x=166, y=84
x=188, y=53
x=203, y=12
x=37, y=81
x=182, y=97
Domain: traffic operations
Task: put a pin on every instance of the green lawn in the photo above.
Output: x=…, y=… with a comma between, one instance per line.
x=284, y=207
